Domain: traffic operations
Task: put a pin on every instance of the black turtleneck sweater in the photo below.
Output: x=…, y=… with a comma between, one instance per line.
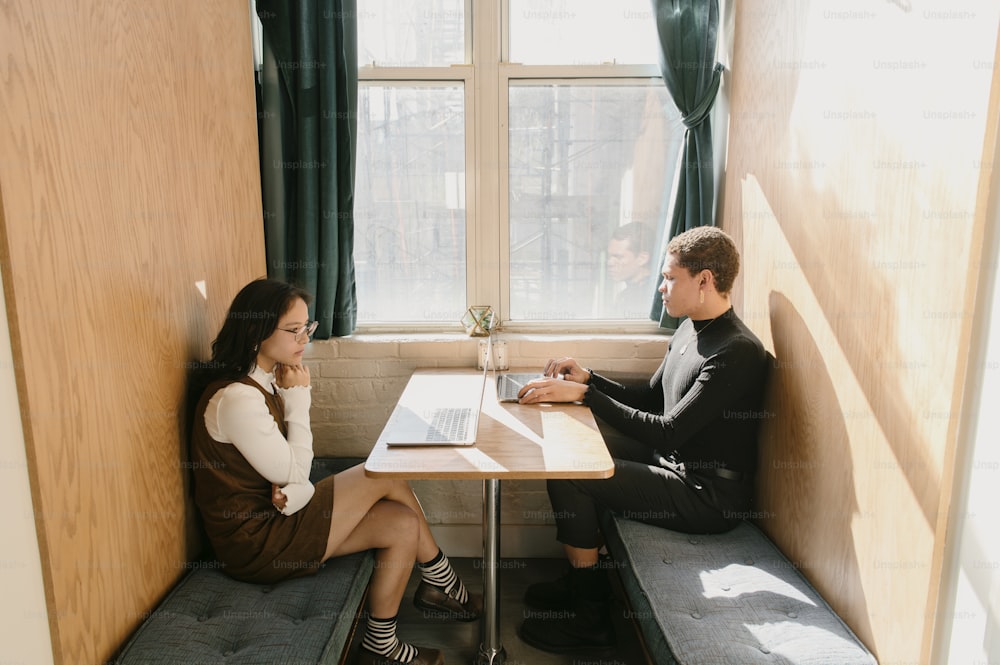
x=704, y=402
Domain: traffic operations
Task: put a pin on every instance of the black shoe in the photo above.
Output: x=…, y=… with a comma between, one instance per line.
x=586, y=628
x=553, y=595
x=423, y=657
x=444, y=605
x=557, y=594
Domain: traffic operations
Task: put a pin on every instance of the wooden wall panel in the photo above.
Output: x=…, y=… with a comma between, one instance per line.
x=856, y=150
x=130, y=216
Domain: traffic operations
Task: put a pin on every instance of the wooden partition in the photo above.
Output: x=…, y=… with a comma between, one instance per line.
x=861, y=142
x=130, y=216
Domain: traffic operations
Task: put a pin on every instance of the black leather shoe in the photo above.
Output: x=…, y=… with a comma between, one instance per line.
x=435, y=602
x=423, y=657
x=557, y=594
x=553, y=595
x=585, y=629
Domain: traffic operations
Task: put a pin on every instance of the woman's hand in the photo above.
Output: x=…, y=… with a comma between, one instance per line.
x=287, y=376
x=551, y=390
x=568, y=368
x=278, y=498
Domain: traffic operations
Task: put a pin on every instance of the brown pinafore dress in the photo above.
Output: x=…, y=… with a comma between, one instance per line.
x=253, y=541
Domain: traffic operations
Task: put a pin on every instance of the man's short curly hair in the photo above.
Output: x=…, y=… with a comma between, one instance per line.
x=707, y=248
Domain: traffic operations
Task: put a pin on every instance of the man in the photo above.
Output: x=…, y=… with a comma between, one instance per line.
x=629, y=264
x=685, y=449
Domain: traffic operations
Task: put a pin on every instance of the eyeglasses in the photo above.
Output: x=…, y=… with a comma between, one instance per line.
x=305, y=332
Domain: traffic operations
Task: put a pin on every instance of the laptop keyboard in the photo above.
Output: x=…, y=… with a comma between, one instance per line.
x=448, y=424
x=508, y=389
x=508, y=385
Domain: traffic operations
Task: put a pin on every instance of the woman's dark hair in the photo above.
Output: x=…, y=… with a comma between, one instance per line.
x=252, y=318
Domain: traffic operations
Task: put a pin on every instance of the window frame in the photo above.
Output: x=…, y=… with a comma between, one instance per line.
x=486, y=77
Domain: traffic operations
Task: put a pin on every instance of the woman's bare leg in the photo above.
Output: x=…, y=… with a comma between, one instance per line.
x=385, y=515
x=390, y=529
x=354, y=493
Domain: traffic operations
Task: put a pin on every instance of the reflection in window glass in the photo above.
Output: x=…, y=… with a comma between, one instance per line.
x=572, y=32
x=411, y=33
x=409, y=245
x=590, y=171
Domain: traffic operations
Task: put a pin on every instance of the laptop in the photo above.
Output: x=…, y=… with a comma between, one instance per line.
x=509, y=384
x=446, y=415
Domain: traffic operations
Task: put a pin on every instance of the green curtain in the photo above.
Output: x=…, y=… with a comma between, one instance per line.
x=688, y=32
x=308, y=132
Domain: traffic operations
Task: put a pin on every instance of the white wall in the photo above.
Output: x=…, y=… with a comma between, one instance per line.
x=24, y=628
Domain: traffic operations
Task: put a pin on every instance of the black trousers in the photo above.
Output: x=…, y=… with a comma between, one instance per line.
x=646, y=488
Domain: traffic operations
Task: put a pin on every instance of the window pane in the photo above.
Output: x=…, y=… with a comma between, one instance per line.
x=590, y=170
x=409, y=207
x=575, y=32
x=411, y=33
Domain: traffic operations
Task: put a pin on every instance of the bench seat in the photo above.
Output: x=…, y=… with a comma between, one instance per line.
x=731, y=598
x=210, y=618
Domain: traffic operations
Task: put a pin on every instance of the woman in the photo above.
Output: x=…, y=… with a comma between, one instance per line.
x=252, y=453
x=684, y=444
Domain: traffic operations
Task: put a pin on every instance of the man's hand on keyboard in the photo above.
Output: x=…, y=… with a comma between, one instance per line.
x=551, y=390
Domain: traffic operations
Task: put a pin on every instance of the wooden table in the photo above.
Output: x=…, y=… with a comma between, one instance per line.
x=513, y=441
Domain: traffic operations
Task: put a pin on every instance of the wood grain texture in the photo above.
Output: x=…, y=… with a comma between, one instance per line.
x=857, y=148
x=131, y=215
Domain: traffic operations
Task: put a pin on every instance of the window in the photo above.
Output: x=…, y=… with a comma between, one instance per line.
x=517, y=153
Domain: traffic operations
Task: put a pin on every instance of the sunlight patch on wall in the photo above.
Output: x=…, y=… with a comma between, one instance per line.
x=834, y=437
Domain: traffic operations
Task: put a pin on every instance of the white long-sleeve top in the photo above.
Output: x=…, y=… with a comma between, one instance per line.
x=238, y=415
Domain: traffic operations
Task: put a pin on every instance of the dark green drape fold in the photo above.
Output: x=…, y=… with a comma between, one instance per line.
x=308, y=130
x=688, y=32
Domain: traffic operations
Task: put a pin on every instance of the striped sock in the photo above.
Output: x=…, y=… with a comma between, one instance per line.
x=380, y=638
x=438, y=571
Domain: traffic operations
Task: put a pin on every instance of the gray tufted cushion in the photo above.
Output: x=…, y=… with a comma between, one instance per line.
x=731, y=598
x=211, y=618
